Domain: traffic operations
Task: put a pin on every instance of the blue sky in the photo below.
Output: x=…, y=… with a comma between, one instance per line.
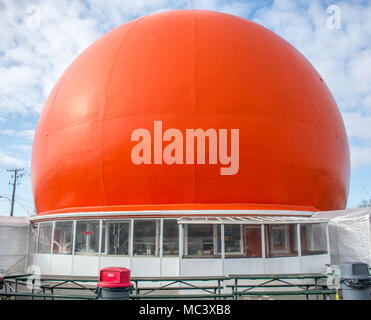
x=39, y=39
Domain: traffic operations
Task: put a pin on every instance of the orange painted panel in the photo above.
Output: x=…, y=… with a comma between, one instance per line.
x=190, y=69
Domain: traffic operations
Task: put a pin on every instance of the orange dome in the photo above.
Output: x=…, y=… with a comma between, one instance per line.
x=190, y=69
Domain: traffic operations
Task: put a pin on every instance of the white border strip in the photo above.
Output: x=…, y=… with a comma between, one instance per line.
x=164, y=213
x=252, y=220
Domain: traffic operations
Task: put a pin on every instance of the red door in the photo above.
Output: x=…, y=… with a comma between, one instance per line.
x=252, y=241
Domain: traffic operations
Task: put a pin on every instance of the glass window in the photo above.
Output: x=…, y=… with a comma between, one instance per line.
x=115, y=238
x=232, y=240
x=63, y=237
x=45, y=237
x=87, y=237
x=313, y=238
x=146, y=235
x=170, y=238
x=202, y=240
x=281, y=240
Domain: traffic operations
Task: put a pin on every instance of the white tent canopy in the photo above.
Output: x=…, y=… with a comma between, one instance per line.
x=350, y=234
x=250, y=220
x=14, y=233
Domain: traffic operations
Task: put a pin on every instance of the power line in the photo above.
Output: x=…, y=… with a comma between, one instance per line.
x=364, y=189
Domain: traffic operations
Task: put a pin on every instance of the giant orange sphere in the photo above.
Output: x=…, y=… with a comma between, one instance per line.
x=190, y=69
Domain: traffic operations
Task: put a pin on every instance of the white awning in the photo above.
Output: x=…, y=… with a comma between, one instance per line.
x=249, y=220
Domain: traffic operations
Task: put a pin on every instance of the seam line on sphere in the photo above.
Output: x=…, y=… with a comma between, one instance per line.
x=195, y=90
x=105, y=101
x=59, y=84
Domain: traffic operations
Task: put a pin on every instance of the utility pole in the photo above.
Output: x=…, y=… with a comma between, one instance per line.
x=16, y=176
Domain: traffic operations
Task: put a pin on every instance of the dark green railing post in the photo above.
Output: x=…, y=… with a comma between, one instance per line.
x=33, y=288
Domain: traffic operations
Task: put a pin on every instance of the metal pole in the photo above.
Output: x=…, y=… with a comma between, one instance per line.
x=13, y=193
x=14, y=185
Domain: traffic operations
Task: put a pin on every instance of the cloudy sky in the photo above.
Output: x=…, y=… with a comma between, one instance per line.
x=39, y=39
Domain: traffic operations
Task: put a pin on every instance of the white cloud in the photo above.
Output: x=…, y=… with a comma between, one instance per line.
x=31, y=60
x=358, y=126
x=21, y=147
x=342, y=56
x=9, y=161
x=29, y=133
x=360, y=156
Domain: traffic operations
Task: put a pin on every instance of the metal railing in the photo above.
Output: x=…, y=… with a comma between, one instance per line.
x=223, y=287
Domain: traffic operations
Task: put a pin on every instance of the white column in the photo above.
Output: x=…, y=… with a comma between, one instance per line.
x=51, y=249
x=100, y=244
x=73, y=245
x=131, y=253
x=181, y=237
x=222, y=241
x=74, y=238
x=161, y=236
x=298, y=238
x=223, y=246
x=100, y=237
x=180, y=226
x=262, y=233
x=161, y=243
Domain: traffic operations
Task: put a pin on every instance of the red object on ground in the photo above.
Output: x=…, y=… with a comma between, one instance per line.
x=114, y=277
x=190, y=69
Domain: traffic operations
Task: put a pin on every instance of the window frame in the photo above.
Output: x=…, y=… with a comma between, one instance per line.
x=103, y=240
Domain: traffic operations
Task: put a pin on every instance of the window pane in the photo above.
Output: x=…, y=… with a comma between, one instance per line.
x=115, y=238
x=63, y=237
x=87, y=237
x=45, y=237
x=232, y=240
x=202, y=240
x=281, y=240
x=146, y=233
x=170, y=238
x=313, y=238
